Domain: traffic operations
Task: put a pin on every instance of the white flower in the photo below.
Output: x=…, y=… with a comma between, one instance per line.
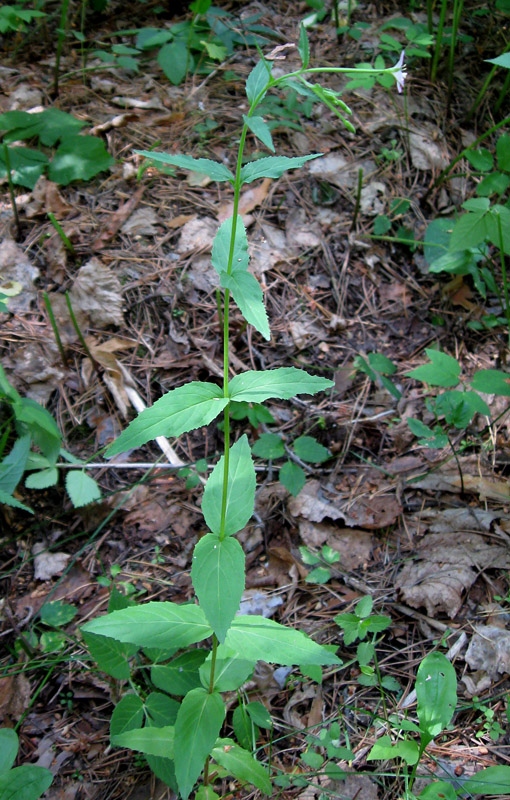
x=400, y=72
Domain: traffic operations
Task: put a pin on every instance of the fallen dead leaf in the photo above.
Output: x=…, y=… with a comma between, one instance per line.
x=370, y=511
x=97, y=292
x=250, y=199
x=117, y=219
x=142, y=222
x=14, y=697
x=47, y=564
x=16, y=267
x=355, y=546
x=47, y=197
x=489, y=650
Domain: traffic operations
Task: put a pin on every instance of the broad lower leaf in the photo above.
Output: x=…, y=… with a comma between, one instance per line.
x=491, y=381
x=255, y=387
x=127, y=715
x=436, y=692
x=221, y=247
x=81, y=488
x=8, y=748
x=255, y=637
x=438, y=790
x=79, y=158
x=27, y=782
x=26, y=165
x=444, y=370
x=198, y=723
x=49, y=125
x=273, y=166
x=180, y=410
x=493, y=780
x=258, y=79
x=214, y=170
x=240, y=490
x=260, y=129
x=154, y=625
x=173, y=59
x=152, y=741
x=218, y=579
x=241, y=764
x=57, y=613
x=230, y=670
x=308, y=449
x=248, y=295
x=9, y=500
x=161, y=710
x=181, y=674
x=384, y=749
x=269, y=445
x=110, y=656
x=293, y=477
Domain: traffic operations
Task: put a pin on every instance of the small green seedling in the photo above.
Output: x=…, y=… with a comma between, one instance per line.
x=28, y=781
x=322, y=562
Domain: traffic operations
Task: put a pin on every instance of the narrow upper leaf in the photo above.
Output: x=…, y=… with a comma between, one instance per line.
x=260, y=129
x=218, y=580
x=241, y=764
x=215, y=171
x=197, y=726
x=248, y=295
x=303, y=46
x=178, y=411
x=152, y=741
x=255, y=387
x=273, y=166
x=154, y=625
x=221, y=247
x=255, y=637
x=258, y=79
x=240, y=490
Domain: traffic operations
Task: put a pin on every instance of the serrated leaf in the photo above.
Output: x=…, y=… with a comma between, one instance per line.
x=214, y=170
x=110, y=656
x=293, y=477
x=318, y=575
x=240, y=490
x=308, y=449
x=241, y=764
x=81, y=488
x=161, y=624
x=255, y=637
x=153, y=741
x=221, y=247
x=248, y=295
x=218, y=579
x=42, y=479
x=127, y=715
x=491, y=381
x=258, y=79
x=260, y=129
x=197, y=726
x=444, y=370
x=303, y=46
x=436, y=693
x=180, y=410
x=27, y=782
x=470, y=230
x=181, y=674
x=273, y=166
x=255, y=387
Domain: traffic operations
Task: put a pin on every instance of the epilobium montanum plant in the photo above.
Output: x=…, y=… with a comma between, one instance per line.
x=180, y=740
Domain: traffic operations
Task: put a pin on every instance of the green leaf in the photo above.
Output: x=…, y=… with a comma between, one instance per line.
x=230, y=671
x=41, y=425
x=245, y=730
x=273, y=166
x=503, y=148
x=303, y=46
x=27, y=782
x=436, y=692
x=259, y=714
x=241, y=764
x=480, y=159
x=180, y=410
x=198, y=723
x=160, y=624
x=491, y=381
x=57, y=613
x=255, y=387
x=500, y=61
x=215, y=171
x=444, y=370
x=311, y=671
x=384, y=749
x=110, y=656
x=42, y=479
x=269, y=445
x=127, y=715
x=152, y=741
x=161, y=710
x=27, y=165
x=79, y=158
x=364, y=606
x=218, y=579
x=261, y=130
x=8, y=748
x=438, y=790
x=13, y=465
x=206, y=793
x=381, y=363
x=293, y=477
x=240, y=490
x=221, y=247
x=495, y=183
x=493, y=781
x=308, y=449
x=216, y=51
x=470, y=230
x=248, y=295
x=49, y=125
x=173, y=60
x=258, y=79
x=255, y=637
x=180, y=675
x=319, y=575
x=81, y=488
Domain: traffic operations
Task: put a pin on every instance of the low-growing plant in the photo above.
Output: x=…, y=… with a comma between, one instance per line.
x=27, y=781
x=181, y=738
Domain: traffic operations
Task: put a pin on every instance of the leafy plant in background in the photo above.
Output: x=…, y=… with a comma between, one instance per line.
x=322, y=561
x=28, y=781
x=36, y=449
x=181, y=738
x=14, y=19
x=77, y=157
x=378, y=368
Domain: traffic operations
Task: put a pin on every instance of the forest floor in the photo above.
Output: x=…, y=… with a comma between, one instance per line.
x=426, y=534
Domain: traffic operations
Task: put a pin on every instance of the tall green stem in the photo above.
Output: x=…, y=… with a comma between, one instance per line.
x=439, y=41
